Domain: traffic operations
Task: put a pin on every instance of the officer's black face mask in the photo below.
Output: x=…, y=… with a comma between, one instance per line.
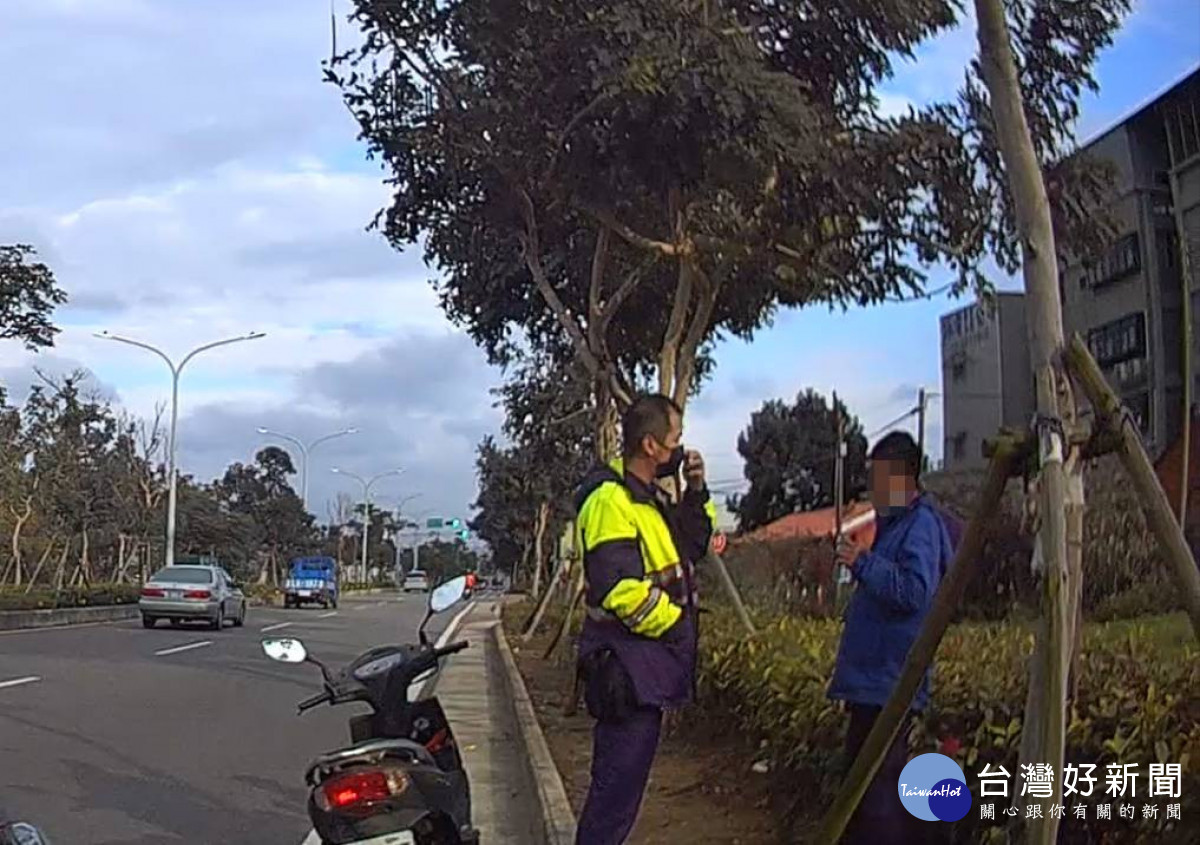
x=670, y=468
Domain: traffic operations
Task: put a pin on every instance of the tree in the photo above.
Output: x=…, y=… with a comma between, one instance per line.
x=789, y=453
x=262, y=493
x=28, y=295
x=677, y=169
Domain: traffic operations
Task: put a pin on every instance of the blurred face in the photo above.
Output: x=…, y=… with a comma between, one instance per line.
x=891, y=485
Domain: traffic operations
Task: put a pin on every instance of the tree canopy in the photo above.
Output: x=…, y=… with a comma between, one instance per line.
x=630, y=180
x=789, y=453
x=28, y=296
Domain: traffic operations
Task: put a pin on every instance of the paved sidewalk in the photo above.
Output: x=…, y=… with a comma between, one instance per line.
x=471, y=689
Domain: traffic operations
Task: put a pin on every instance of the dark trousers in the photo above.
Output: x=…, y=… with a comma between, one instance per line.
x=880, y=817
x=622, y=753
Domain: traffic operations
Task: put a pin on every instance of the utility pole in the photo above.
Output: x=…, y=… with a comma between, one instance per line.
x=921, y=399
x=839, y=488
x=176, y=370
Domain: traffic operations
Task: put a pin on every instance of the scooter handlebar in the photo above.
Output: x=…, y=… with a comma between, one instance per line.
x=309, y=703
x=453, y=648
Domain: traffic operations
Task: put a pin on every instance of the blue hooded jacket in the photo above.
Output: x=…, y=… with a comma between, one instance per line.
x=896, y=582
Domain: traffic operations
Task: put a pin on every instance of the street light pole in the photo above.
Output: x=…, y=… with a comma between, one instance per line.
x=176, y=369
x=305, y=450
x=366, y=485
x=399, y=520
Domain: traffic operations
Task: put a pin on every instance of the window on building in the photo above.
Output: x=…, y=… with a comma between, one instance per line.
x=1121, y=259
x=1168, y=249
x=959, y=445
x=1139, y=409
x=1118, y=341
x=1182, y=117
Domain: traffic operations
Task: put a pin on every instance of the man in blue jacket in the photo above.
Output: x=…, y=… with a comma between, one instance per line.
x=895, y=584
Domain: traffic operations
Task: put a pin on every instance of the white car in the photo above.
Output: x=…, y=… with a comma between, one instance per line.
x=186, y=593
x=416, y=581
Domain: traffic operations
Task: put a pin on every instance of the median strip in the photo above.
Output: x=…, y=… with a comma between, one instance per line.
x=180, y=648
x=16, y=682
x=277, y=626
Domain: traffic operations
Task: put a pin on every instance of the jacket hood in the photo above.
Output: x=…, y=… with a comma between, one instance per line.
x=596, y=476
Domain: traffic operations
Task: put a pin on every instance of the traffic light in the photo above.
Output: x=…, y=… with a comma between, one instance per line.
x=464, y=534
x=454, y=523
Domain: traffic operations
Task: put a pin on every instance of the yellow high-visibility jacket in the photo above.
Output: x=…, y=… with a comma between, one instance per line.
x=639, y=551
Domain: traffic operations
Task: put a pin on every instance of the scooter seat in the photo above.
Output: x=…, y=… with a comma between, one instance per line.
x=374, y=751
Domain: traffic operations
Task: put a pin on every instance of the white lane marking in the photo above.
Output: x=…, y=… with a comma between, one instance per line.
x=327, y=615
x=180, y=648
x=312, y=838
x=16, y=682
x=277, y=626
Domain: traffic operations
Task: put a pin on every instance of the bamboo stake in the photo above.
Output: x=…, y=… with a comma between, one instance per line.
x=1157, y=508
x=922, y=652
x=1046, y=714
x=739, y=606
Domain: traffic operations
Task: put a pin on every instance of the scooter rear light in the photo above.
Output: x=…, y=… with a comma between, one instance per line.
x=361, y=788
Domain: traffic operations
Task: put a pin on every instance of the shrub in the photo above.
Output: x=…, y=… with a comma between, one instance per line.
x=46, y=598
x=1136, y=704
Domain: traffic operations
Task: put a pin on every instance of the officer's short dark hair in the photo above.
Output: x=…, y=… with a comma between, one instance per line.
x=649, y=414
x=900, y=447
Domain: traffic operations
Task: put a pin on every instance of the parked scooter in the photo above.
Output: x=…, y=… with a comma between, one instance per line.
x=402, y=782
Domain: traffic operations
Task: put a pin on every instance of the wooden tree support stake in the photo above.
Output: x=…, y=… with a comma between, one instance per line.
x=941, y=612
x=1159, y=514
x=734, y=596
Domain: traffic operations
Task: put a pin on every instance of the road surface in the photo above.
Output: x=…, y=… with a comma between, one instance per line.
x=116, y=734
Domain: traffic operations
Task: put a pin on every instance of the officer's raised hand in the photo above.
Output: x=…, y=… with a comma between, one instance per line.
x=693, y=469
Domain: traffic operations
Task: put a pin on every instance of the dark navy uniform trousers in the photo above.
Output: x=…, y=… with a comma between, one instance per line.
x=622, y=753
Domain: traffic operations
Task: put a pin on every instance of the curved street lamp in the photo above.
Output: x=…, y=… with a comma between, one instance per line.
x=176, y=369
x=367, y=484
x=305, y=449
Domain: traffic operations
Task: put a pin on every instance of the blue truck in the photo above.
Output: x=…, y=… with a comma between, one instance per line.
x=311, y=580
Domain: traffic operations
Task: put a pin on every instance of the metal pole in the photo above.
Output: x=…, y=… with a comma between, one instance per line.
x=171, y=493
x=172, y=446
x=305, y=452
x=921, y=423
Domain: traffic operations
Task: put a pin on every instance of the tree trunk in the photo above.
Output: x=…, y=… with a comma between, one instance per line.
x=1045, y=715
x=61, y=572
x=41, y=562
x=539, y=552
x=21, y=519
x=84, y=566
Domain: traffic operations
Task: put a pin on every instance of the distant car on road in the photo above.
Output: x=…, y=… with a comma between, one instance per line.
x=189, y=593
x=416, y=581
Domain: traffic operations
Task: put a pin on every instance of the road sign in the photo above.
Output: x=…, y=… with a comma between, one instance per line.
x=719, y=542
x=434, y=522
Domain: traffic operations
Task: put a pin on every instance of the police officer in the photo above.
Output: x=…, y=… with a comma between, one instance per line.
x=637, y=652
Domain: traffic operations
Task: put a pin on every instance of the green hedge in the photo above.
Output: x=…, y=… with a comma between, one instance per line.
x=44, y=598
x=1138, y=702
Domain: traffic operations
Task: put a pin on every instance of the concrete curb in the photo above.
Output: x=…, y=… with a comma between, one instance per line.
x=15, y=620
x=558, y=820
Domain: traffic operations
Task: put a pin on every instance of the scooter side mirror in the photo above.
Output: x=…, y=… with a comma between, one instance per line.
x=442, y=599
x=22, y=833
x=285, y=650
x=448, y=594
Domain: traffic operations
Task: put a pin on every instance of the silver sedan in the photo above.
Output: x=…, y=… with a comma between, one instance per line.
x=182, y=593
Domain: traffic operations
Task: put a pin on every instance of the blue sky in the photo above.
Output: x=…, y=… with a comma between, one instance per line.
x=189, y=180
